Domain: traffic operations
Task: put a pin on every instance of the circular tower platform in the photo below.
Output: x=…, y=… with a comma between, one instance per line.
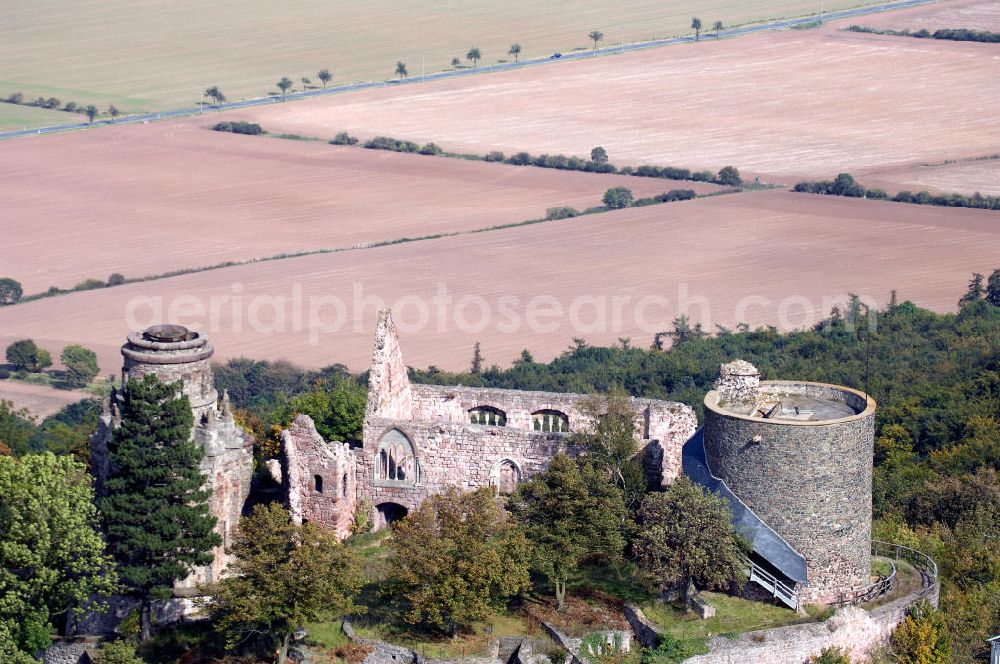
x=173, y=353
x=799, y=455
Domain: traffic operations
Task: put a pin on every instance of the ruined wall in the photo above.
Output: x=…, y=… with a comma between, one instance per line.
x=670, y=424
x=852, y=629
x=809, y=481
x=451, y=454
x=333, y=499
x=389, y=392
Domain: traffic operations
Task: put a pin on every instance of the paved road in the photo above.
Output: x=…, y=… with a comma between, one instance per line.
x=575, y=55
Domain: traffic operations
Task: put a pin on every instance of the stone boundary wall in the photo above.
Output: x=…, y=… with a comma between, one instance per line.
x=852, y=628
x=386, y=653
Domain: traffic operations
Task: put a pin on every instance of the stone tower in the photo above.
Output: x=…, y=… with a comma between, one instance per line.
x=799, y=455
x=174, y=353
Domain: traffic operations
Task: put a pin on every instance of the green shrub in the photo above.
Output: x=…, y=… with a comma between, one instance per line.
x=70, y=107
x=556, y=213
x=15, y=98
x=494, y=156
x=89, y=284
x=81, y=365
x=618, y=197
x=432, y=149
x=239, y=127
x=831, y=655
x=116, y=279
x=519, y=159
x=343, y=138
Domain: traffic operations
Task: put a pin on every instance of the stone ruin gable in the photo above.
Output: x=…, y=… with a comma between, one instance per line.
x=667, y=424
x=452, y=454
x=389, y=393
x=333, y=499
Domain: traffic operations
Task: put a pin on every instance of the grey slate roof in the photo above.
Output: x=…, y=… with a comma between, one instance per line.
x=765, y=542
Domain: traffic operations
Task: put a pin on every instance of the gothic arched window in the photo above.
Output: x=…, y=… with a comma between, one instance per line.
x=396, y=460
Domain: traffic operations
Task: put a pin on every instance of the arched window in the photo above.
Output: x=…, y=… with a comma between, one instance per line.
x=397, y=461
x=505, y=476
x=318, y=483
x=488, y=415
x=550, y=421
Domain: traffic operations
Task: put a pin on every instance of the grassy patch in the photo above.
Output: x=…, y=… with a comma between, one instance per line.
x=388, y=626
x=20, y=116
x=734, y=615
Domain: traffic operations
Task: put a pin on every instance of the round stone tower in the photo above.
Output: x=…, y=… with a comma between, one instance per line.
x=799, y=455
x=173, y=353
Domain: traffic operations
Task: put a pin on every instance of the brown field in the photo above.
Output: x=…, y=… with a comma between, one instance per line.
x=40, y=400
x=784, y=104
x=157, y=55
x=148, y=199
x=766, y=257
x=964, y=177
x=970, y=14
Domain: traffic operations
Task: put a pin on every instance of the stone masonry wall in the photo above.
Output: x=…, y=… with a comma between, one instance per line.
x=306, y=457
x=811, y=483
x=853, y=629
x=452, y=454
x=388, y=382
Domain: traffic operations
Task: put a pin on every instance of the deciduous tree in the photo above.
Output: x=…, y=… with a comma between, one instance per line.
x=474, y=55
x=610, y=443
x=52, y=559
x=515, y=50
x=401, y=71
x=91, y=112
x=10, y=291
x=993, y=289
x=595, y=36
x=324, y=76
x=729, y=176
x=155, y=508
x=284, y=575
x=458, y=558
x=285, y=84
x=26, y=356
x=80, y=363
x=696, y=26
x=618, y=197
x=686, y=536
x=922, y=638
x=571, y=515
x=599, y=155
x=717, y=26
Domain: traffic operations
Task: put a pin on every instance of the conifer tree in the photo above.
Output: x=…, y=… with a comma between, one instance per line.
x=975, y=291
x=155, y=507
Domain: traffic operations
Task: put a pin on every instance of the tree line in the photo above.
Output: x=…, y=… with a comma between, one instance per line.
x=845, y=185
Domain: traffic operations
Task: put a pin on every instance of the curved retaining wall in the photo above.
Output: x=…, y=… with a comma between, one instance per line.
x=810, y=481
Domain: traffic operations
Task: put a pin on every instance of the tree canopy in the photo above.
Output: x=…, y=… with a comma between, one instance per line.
x=284, y=575
x=686, y=536
x=80, y=363
x=572, y=515
x=458, y=558
x=52, y=559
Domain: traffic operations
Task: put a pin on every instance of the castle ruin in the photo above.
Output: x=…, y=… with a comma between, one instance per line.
x=418, y=439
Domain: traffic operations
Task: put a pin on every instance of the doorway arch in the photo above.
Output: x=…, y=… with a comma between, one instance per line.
x=388, y=513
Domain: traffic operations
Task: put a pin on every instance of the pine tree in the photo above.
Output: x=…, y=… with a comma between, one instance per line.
x=975, y=291
x=993, y=289
x=477, y=360
x=155, y=507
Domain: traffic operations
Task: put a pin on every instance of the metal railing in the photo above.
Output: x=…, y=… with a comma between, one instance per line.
x=893, y=553
x=777, y=588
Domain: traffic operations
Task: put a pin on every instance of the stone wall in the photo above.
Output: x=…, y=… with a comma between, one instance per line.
x=809, y=481
x=853, y=629
x=332, y=499
x=388, y=382
x=738, y=384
